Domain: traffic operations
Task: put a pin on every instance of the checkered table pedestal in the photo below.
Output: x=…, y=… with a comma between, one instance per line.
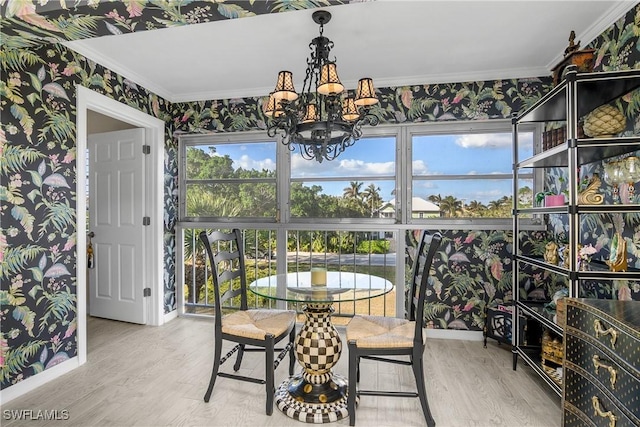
x=316, y=395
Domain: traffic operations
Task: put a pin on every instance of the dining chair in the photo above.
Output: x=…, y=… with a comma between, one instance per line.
x=261, y=329
x=378, y=337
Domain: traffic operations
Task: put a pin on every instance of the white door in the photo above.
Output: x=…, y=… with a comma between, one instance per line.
x=116, y=213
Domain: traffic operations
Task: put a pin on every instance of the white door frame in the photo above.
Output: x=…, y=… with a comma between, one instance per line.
x=87, y=99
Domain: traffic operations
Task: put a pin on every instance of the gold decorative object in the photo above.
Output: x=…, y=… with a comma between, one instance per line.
x=573, y=46
x=613, y=373
x=565, y=257
x=551, y=253
x=552, y=349
x=604, y=122
x=565, y=254
x=590, y=195
x=618, y=255
x=599, y=329
x=595, y=401
x=582, y=59
x=561, y=312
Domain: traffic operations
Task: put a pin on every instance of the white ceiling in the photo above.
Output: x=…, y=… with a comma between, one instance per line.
x=396, y=42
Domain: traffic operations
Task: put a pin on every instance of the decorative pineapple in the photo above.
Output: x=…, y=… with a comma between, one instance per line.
x=605, y=121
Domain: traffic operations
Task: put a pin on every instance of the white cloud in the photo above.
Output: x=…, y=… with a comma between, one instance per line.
x=419, y=167
x=310, y=168
x=360, y=167
x=488, y=140
x=248, y=163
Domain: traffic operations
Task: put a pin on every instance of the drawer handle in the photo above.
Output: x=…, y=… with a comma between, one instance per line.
x=613, y=374
x=596, y=407
x=600, y=330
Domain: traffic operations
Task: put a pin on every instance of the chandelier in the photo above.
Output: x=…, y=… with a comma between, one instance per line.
x=320, y=120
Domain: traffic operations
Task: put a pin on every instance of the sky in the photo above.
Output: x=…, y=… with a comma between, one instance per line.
x=369, y=159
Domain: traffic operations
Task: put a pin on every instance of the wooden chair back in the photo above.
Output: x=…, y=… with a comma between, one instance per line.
x=428, y=244
x=226, y=258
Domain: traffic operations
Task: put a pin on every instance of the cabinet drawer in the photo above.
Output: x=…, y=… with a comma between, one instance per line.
x=599, y=368
x=588, y=402
x=617, y=339
x=571, y=417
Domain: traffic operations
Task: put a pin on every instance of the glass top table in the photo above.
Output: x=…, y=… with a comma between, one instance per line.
x=340, y=286
x=317, y=395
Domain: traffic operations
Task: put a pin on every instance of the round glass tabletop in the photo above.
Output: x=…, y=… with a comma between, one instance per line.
x=341, y=286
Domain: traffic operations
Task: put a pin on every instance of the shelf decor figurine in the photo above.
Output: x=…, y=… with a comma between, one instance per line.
x=584, y=256
x=618, y=254
x=588, y=194
x=614, y=176
x=604, y=122
x=549, y=199
x=551, y=253
x=631, y=175
x=622, y=175
x=565, y=255
x=582, y=59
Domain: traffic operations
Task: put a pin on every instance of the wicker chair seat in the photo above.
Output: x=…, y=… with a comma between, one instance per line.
x=381, y=332
x=256, y=324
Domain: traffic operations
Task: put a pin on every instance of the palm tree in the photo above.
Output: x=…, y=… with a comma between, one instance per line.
x=353, y=190
x=525, y=196
x=451, y=206
x=500, y=207
x=435, y=198
x=476, y=208
x=203, y=204
x=372, y=197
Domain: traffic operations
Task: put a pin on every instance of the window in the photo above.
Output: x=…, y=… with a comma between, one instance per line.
x=358, y=184
x=435, y=171
x=462, y=172
x=228, y=179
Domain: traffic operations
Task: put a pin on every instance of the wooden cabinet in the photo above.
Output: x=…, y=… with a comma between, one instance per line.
x=602, y=363
x=563, y=107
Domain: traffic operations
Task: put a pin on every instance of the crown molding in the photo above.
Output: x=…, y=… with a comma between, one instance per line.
x=125, y=72
x=425, y=79
x=617, y=11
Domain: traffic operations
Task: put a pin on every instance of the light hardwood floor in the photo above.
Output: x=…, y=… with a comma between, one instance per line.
x=157, y=376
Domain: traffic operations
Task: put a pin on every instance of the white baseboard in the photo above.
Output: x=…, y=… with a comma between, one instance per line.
x=170, y=316
x=455, y=334
x=35, y=381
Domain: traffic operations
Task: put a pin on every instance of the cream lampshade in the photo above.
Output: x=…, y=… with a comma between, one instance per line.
x=284, y=90
x=366, y=94
x=329, y=83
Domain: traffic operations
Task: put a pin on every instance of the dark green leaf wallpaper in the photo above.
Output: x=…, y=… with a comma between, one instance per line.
x=38, y=162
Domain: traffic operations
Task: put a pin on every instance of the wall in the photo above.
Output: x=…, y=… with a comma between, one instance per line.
x=37, y=141
x=37, y=169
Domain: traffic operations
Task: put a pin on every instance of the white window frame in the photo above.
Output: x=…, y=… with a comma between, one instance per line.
x=191, y=140
x=451, y=128
x=403, y=181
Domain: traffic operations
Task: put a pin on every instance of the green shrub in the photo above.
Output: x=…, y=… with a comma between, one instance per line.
x=373, y=246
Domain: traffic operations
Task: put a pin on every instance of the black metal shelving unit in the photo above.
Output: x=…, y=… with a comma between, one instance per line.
x=573, y=98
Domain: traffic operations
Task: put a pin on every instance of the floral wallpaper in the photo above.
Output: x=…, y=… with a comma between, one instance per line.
x=37, y=162
x=615, y=50
x=471, y=270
